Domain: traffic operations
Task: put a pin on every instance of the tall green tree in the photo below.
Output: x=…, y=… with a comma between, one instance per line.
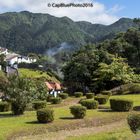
x=78, y=72
x=116, y=73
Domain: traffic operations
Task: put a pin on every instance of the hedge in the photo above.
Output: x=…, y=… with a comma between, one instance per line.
x=102, y=99
x=89, y=95
x=56, y=100
x=90, y=103
x=39, y=104
x=121, y=104
x=45, y=115
x=78, y=112
x=134, y=122
x=78, y=94
x=63, y=95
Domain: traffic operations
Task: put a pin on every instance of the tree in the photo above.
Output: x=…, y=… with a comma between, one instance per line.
x=78, y=72
x=116, y=73
x=19, y=92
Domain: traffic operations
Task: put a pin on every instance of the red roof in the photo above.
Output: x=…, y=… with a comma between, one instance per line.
x=53, y=85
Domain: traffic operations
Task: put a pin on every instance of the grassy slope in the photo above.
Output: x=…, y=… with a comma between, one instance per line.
x=26, y=124
x=36, y=74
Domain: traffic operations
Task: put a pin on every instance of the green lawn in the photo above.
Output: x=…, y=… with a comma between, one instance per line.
x=25, y=124
x=36, y=74
x=122, y=134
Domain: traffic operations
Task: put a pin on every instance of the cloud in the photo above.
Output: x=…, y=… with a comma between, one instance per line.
x=96, y=14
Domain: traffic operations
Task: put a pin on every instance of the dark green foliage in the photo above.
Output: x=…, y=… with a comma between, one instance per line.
x=102, y=99
x=39, y=104
x=18, y=108
x=45, y=115
x=3, y=81
x=78, y=112
x=78, y=94
x=134, y=122
x=80, y=71
x=49, y=97
x=81, y=100
x=109, y=93
x=121, y=104
x=56, y=100
x=40, y=90
x=63, y=95
x=90, y=103
x=4, y=106
x=89, y=95
x=19, y=91
x=38, y=32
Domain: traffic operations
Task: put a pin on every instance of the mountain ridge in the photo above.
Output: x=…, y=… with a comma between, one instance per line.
x=26, y=32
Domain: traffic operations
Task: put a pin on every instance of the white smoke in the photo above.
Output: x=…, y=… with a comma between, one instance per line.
x=62, y=47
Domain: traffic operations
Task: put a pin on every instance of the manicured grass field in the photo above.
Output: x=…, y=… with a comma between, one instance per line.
x=11, y=126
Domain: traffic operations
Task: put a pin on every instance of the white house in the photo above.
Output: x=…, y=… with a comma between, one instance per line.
x=24, y=59
x=13, y=58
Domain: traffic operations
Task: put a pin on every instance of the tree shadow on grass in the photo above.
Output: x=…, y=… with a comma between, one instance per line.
x=136, y=108
x=106, y=110
x=6, y=115
x=67, y=118
x=33, y=122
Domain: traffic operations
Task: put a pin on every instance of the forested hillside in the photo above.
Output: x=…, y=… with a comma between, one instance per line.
x=26, y=32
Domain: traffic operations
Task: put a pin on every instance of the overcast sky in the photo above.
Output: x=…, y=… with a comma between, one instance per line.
x=103, y=11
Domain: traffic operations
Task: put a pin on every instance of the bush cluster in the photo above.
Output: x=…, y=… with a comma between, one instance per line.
x=18, y=108
x=63, y=95
x=90, y=103
x=134, y=122
x=45, y=115
x=78, y=94
x=109, y=93
x=121, y=104
x=82, y=99
x=102, y=99
x=49, y=97
x=39, y=104
x=78, y=112
x=4, y=106
x=56, y=100
x=89, y=95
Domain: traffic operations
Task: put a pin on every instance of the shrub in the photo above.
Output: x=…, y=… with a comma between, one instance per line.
x=18, y=108
x=102, y=99
x=63, y=95
x=39, y=104
x=78, y=112
x=45, y=115
x=89, y=103
x=4, y=106
x=56, y=100
x=81, y=100
x=49, y=97
x=121, y=104
x=134, y=122
x=78, y=94
x=89, y=95
x=109, y=93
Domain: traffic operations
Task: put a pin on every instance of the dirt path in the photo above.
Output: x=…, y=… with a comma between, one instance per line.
x=63, y=134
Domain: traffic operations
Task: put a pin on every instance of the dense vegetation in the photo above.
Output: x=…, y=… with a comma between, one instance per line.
x=39, y=32
x=105, y=65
